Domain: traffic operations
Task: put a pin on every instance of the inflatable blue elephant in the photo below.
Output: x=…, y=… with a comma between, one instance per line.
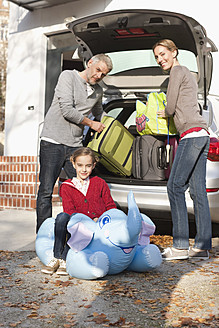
x=116, y=242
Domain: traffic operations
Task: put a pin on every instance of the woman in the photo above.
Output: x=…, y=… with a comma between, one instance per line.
x=189, y=166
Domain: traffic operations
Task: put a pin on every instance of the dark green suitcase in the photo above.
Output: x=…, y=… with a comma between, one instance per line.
x=114, y=147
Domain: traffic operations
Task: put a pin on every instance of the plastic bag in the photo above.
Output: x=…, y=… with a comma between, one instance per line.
x=147, y=121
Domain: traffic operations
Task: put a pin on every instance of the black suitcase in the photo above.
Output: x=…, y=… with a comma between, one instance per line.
x=149, y=157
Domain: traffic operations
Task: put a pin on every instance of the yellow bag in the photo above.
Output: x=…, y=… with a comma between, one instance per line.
x=147, y=121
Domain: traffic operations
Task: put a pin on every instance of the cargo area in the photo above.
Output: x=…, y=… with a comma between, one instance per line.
x=124, y=110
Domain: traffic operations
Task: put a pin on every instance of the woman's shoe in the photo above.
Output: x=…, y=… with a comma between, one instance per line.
x=171, y=253
x=198, y=254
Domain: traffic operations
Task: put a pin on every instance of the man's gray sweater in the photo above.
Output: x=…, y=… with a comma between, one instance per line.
x=70, y=105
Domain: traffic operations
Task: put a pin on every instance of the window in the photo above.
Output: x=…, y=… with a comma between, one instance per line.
x=118, y=111
x=130, y=60
x=115, y=112
x=5, y=3
x=4, y=32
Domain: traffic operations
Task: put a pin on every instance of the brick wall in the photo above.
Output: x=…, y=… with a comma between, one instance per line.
x=19, y=182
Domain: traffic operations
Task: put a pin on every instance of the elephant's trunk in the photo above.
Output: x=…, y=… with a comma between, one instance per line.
x=134, y=220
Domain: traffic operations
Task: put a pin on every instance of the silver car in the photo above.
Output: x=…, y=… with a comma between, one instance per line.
x=127, y=36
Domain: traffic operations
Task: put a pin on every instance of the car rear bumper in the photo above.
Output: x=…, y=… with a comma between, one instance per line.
x=155, y=199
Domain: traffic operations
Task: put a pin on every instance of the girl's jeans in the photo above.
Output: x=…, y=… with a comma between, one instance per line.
x=61, y=247
x=189, y=170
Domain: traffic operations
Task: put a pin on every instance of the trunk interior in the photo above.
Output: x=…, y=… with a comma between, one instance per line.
x=124, y=110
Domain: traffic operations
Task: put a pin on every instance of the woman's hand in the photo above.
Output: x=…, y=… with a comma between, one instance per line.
x=161, y=113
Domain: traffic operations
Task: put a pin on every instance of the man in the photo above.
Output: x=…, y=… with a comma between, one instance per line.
x=77, y=94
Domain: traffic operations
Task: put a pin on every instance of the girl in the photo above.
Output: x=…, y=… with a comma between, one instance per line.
x=189, y=166
x=83, y=194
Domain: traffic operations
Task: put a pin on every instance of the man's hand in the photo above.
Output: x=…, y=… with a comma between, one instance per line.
x=94, y=125
x=97, y=126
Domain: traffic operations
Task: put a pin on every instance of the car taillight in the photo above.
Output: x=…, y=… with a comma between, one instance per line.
x=213, y=154
x=212, y=189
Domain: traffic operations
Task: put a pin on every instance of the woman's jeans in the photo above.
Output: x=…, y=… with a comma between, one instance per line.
x=189, y=170
x=53, y=157
x=61, y=247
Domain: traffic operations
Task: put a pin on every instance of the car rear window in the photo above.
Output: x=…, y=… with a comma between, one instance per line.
x=117, y=111
x=135, y=59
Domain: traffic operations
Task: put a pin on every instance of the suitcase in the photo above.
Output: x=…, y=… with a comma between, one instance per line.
x=149, y=157
x=173, y=142
x=114, y=147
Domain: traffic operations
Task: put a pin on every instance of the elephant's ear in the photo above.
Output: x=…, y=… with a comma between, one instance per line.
x=80, y=238
x=147, y=229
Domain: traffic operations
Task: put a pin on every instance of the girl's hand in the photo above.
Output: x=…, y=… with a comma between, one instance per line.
x=161, y=113
x=95, y=219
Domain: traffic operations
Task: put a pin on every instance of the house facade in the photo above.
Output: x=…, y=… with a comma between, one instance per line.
x=39, y=48
x=4, y=19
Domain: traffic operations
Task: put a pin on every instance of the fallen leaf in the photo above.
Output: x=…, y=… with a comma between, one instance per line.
x=95, y=314
x=185, y=321
x=138, y=302
x=32, y=315
x=100, y=318
x=163, y=300
x=200, y=320
x=120, y=322
x=143, y=310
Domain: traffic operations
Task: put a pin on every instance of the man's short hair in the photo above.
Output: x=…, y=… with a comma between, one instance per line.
x=104, y=58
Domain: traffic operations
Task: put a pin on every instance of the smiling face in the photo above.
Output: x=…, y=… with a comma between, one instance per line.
x=165, y=58
x=114, y=233
x=83, y=166
x=96, y=71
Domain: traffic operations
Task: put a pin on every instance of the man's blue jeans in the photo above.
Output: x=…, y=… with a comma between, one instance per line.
x=189, y=170
x=53, y=157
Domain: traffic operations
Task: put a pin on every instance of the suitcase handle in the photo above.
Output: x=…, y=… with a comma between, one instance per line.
x=98, y=134
x=168, y=153
x=161, y=158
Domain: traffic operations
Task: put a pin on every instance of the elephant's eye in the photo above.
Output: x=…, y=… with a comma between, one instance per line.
x=104, y=220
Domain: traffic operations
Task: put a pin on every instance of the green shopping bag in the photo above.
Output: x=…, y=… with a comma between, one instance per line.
x=147, y=121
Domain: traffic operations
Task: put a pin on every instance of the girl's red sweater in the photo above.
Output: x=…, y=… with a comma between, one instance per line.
x=97, y=200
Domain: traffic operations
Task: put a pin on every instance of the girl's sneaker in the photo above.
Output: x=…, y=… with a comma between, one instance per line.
x=62, y=268
x=51, y=267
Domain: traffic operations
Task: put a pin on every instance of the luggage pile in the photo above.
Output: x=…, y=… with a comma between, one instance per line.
x=155, y=148
x=148, y=152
